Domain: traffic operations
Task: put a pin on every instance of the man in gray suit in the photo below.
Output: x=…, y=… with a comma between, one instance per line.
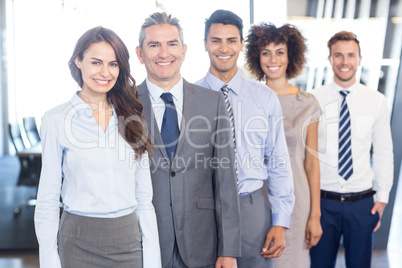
x=193, y=173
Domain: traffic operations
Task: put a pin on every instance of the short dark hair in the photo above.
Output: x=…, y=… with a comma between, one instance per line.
x=266, y=33
x=224, y=17
x=343, y=36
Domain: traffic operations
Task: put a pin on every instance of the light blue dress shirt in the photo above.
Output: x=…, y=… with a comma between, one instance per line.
x=102, y=178
x=262, y=152
x=158, y=104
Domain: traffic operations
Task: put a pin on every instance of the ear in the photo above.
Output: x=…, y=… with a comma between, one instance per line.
x=330, y=59
x=242, y=45
x=205, y=45
x=359, y=61
x=184, y=51
x=138, y=50
x=78, y=63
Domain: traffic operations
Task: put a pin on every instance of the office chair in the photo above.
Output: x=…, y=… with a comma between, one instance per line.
x=31, y=130
x=16, y=137
x=31, y=165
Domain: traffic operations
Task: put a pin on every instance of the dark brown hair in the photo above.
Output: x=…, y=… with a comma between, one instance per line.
x=343, y=36
x=266, y=33
x=124, y=95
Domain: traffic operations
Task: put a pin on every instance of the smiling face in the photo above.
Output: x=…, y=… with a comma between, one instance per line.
x=274, y=61
x=162, y=53
x=223, y=45
x=99, y=69
x=345, y=60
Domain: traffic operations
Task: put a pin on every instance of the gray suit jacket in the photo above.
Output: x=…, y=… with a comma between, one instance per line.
x=195, y=196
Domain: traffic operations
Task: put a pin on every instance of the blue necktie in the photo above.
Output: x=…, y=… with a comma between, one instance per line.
x=170, y=127
x=345, y=168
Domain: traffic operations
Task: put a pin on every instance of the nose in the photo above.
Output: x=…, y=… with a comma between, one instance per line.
x=224, y=47
x=104, y=71
x=273, y=58
x=163, y=52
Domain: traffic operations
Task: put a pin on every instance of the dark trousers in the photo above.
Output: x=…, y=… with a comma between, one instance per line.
x=355, y=222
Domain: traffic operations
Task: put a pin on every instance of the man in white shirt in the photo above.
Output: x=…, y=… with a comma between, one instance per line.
x=355, y=119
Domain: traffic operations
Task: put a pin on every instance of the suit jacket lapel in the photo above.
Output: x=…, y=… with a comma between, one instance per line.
x=188, y=112
x=148, y=112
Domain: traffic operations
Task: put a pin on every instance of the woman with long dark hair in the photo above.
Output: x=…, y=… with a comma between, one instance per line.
x=95, y=159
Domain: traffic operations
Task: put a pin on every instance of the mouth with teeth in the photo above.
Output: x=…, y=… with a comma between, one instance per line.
x=345, y=69
x=224, y=57
x=102, y=82
x=164, y=63
x=273, y=68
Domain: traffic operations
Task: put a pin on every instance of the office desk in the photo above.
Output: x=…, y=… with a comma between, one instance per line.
x=34, y=151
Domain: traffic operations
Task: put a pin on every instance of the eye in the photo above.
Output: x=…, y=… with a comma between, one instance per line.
x=173, y=44
x=265, y=53
x=114, y=64
x=96, y=63
x=215, y=41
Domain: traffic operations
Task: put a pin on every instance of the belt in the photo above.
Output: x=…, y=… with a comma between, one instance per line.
x=347, y=197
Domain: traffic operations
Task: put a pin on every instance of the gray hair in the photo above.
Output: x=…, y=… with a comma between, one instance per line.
x=159, y=18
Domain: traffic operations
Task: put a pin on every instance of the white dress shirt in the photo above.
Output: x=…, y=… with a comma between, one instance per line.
x=370, y=126
x=158, y=104
x=102, y=178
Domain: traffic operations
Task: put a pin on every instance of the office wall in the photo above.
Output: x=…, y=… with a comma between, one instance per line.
x=382, y=235
x=3, y=81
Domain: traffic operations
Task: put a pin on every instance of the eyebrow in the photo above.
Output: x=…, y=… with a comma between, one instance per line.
x=281, y=48
x=93, y=58
x=230, y=38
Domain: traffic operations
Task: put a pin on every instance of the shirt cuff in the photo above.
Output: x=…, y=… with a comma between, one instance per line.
x=52, y=261
x=281, y=220
x=381, y=196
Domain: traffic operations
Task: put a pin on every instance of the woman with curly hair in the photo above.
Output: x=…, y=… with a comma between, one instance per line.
x=98, y=143
x=277, y=55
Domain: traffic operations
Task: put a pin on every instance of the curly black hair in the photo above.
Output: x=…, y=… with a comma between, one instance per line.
x=264, y=34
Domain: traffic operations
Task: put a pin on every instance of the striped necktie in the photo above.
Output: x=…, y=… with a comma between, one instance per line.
x=345, y=168
x=225, y=90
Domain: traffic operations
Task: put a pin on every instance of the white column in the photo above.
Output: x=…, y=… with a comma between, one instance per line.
x=270, y=11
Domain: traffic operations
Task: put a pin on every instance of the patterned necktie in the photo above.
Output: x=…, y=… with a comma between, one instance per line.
x=345, y=168
x=170, y=127
x=225, y=90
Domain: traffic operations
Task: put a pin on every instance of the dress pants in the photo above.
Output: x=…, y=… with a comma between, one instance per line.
x=255, y=224
x=177, y=262
x=355, y=222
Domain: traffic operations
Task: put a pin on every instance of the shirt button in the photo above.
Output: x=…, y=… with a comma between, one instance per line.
x=172, y=173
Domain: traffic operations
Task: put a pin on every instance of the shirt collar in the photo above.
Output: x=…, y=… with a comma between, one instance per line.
x=155, y=92
x=351, y=89
x=216, y=84
x=82, y=107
